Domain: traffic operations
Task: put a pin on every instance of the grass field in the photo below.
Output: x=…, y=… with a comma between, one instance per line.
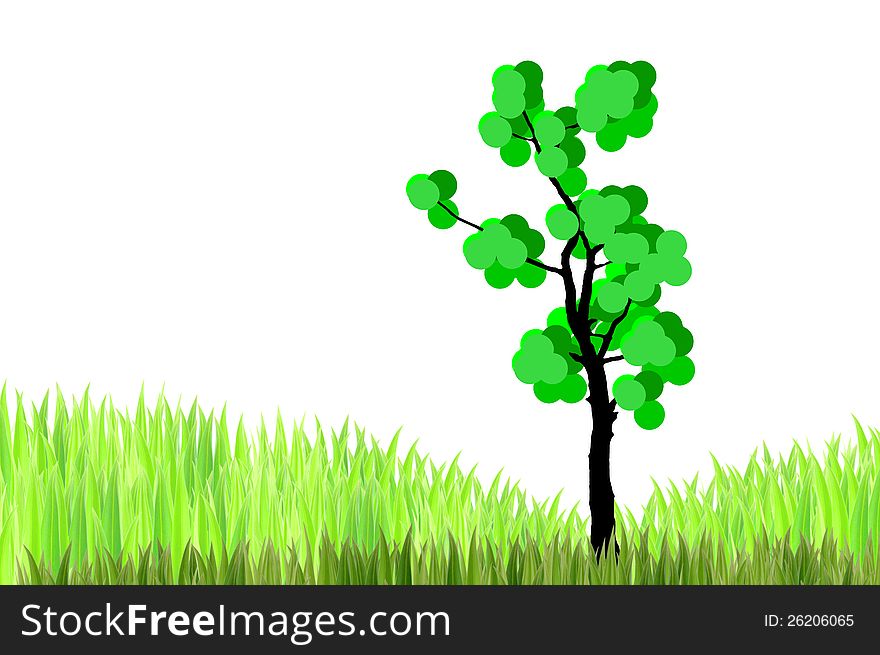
x=90, y=494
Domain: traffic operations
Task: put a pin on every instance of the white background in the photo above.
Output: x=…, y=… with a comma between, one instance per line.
x=210, y=196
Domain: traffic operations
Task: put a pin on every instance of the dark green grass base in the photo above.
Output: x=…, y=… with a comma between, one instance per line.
x=451, y=563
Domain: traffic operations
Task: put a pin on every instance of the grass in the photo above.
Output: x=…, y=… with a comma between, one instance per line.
x=170, y=495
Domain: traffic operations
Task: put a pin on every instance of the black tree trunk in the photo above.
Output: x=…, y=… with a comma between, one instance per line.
x=602, y=535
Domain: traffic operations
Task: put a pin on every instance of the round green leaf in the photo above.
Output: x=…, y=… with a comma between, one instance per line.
x=508, y=79
x=652, y=383
x=626, y=248
x=574, y=389
x=516, y=152
x=612, y=137
x=478, y=252
x=536, y=361
x=650, y=415
x=612, y=297
x=446, y=183
x=678, y=271
x=495, y=131
x=499, y=277
x=647, y=343
x=568, y=115
x=549, y=130
x=552, y=162
x=508, y=103
x=680, y=371
x=573, y=181
x=629, y=392
x=558, y=317
x=512, y=254
x=574, y=149
x=530, y=276
x=671, y=243
x=531, y=72
x=440, y=218
x=422, y=192
x=519, y=229
x=639, y=286
x=562, y=222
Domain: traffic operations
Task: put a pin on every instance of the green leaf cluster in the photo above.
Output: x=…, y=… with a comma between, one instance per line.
x=616, y=102
x=433, y=193
x=501, y=249
x=517, y=93
x=544, y=360
x=659, y=345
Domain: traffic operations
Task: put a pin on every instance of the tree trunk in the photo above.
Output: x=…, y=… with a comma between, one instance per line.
x=601, y=494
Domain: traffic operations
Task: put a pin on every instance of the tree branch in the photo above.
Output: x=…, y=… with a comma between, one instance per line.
x=589, y=273
x=479, y=228
x=549, y=269
x=616, y=358
x=606, y=340
x=571, y=312
x=569, y=203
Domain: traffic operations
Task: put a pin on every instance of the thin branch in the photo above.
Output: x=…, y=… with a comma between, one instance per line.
x=589, y=272
x=576, y=319
x=569, y=203
x=549, y=269
x=580, y=359
x=568, y=281
x=606, y=341
x=479, y=228
x=616, y=358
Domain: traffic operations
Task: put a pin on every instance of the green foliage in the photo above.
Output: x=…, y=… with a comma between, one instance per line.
x=605, y=94
x=537, y=360
x=516, y=153
x=647, y=343
x=433, y=193
x=545, y=361
x=602, y=214
x=93, y=495
x=562, y=222
x=549, y=129
x=629, y=392
x=502, y=247
x=650, y=415
x=494, y=243
x=528, y=276
x=422, y=192
x=615, y=102
x=552, y=161
x=443, y=216
x=495, y=130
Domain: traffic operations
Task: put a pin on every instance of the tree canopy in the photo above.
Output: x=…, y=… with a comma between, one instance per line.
x=626, y=258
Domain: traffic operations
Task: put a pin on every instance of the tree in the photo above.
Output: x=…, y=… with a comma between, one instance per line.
x=612, y=315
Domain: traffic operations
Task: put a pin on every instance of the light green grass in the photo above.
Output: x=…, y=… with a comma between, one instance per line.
x=92, y=494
